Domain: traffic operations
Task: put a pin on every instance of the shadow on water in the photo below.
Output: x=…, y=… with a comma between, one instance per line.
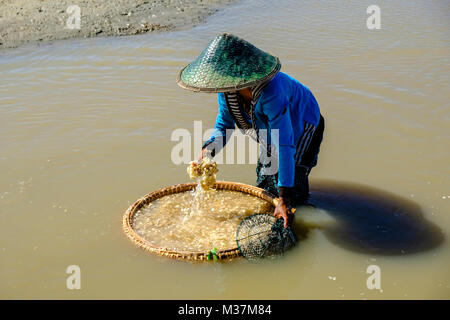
x=371, y=220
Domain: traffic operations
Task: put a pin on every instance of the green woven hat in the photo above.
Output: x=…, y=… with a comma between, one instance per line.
x=228, y=64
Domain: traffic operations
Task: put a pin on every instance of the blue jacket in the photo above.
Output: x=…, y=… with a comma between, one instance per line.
x=283, y=104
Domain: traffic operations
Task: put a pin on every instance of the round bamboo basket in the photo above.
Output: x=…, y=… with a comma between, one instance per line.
x=226, y=253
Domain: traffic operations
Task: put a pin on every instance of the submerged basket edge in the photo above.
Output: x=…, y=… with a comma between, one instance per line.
x=194, y=256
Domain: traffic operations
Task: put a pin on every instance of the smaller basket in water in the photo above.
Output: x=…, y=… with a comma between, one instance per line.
x=226, y=253
x=263, y=235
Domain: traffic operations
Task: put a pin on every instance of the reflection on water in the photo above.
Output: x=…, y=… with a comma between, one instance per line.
x=373, y=221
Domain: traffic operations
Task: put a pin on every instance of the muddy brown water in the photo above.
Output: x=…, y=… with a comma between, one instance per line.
x=86, y=125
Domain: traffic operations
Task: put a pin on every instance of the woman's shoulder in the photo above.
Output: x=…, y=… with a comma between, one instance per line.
x=281, y=81
x=285, y=84
x=288, y=80
x=276, y=87
x=274, y=95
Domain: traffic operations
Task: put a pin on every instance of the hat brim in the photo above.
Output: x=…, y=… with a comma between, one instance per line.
x=230, y=88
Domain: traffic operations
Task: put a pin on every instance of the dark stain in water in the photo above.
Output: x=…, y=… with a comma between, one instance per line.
x=374, y=221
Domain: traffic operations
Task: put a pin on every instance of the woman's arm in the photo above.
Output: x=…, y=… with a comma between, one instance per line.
x=218, y=137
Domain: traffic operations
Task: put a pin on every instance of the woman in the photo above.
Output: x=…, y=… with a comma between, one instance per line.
x=254, y=95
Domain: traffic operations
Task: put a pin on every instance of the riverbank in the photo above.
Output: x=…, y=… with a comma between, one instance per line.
x=25, y=21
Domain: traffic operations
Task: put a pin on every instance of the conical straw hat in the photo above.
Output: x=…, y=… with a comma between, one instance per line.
x=228, y=64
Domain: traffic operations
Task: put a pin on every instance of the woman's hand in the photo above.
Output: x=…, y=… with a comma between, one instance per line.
x=283, y=210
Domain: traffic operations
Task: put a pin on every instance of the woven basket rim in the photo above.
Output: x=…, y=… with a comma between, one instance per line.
x=186, y=255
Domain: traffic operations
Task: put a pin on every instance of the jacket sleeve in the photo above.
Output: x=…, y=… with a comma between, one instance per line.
x=224, y=121
x=275, y=106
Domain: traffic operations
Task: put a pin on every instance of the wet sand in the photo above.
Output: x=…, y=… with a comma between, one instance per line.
x=25, y=21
